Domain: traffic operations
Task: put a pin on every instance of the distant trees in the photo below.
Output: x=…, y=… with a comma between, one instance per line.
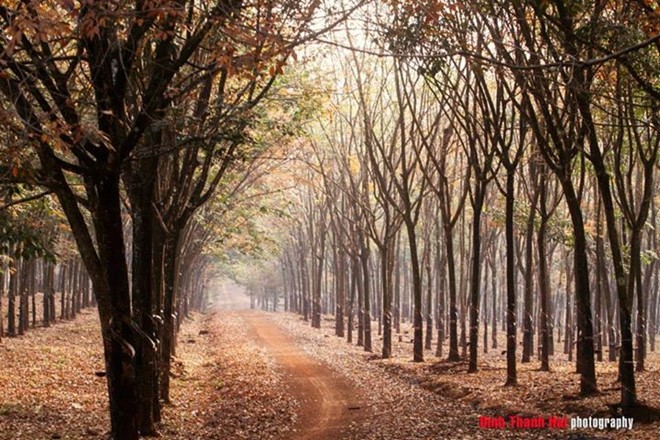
x=512, y=140
x=37, y=261
x=546, y=102
x=579, y=97
x=149, y=99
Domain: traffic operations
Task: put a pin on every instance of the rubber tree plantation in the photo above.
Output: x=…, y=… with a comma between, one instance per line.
x=250, y=219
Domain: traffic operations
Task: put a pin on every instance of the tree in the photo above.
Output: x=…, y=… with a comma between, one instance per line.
x=572, y=40
x=634, y=155
x=559, y=47
x=547, y=203
x=82, y=87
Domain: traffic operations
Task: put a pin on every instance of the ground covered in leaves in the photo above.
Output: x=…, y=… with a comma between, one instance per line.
x=225, y=386
x=439, y=399
x=48, y=385
x=398, y=407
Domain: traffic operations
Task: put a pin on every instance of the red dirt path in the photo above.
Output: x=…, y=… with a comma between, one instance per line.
x=328, y=402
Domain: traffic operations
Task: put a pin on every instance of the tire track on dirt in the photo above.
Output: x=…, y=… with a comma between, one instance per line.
x=328, y=402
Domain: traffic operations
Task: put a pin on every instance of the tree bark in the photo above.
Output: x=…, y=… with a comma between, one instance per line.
x=479, y=197
x=418, y=323
x=511, y=373
x=585, y=340
x=544, y=283
x=366, y=281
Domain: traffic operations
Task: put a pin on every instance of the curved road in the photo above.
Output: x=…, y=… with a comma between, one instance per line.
x=328, y=402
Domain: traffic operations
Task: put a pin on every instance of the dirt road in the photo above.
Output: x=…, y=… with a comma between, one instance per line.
x=328, y=402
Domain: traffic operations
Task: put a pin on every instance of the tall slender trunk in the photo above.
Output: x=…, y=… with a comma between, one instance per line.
x=33, y=291
x=544, y=286
x=340, y=264
x=169, y=301
x=49, y=290
x=23, y=296
x=366, y=281
x=484, y=308
x=429, y=301
x=11, y=302
x=493, y=283
x=464, y=292
x=511, y=373
x=441, y=261
x=568, y=312
x=304, y=273
x=360, y=294
x=585, y=341
x=528, y=334
x=405, y=297
x=479, y=196
x=386, y=266
x=418, y=339
x=351, y=302
x=601, y=279
x=635, y=288
x=317, y=278
x=453, y=308
x=397, y=285
x=63, y=289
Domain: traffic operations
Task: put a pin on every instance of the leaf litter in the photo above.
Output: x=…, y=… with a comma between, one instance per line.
x=437, y=399
x=224, y=386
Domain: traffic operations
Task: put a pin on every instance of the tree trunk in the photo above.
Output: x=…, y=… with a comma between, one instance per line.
x=453, y=308
x=544, y=286
x=493, y=283
x=635, y=289
x=340, y=265
x=568, y=313
x=143, y=293
x=114, y=306
x=63, y=288
x=441, y=261
x=418, y=323
x=33, y=291
x=304, y=273
x=528, y=334
x=351, y=303
x=23, y=297
x=585, y=340
x=386, y=266
x=366, y=279
x=49, y=290
x=11, y=302
x=360, y=295
x=464, y=292
x=479, y=196
x=169, y=301
x=429, y=301
x=511, y=373
x=319, y=255
x=397, y=285
x=484, y=308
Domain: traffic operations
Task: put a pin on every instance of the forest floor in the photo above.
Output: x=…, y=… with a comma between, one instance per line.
x=256, y=375
x=437, y=399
